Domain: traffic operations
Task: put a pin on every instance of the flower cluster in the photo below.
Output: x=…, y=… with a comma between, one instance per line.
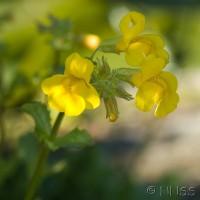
x=85, y=81
x=146, y=51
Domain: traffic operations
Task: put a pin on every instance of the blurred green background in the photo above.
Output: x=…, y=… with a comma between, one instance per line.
x=131, y=154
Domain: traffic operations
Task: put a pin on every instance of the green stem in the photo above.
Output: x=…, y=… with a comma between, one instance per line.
x=56, y=126
x=93, y=54
x=56, y=59
x=34, y=183
x=2, y=126
x=2, y=132
x=37, y=173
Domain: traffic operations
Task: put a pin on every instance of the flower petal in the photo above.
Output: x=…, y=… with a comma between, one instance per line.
x=66, y=101
x=75, y=105
x=137, y=79
x=131, y=25
x=155, y=40
x=134, y=57
x=57, y=101
x=143, y=103
x=149, y=44
x=88, y=92
x=52, y=84
x=147, y=95
x=142, y=48
x=161, y=53
x=170, y=79
x=137, y=52
x=167, y=105
x=79, y=67
x=92, y=98
x=150, y=68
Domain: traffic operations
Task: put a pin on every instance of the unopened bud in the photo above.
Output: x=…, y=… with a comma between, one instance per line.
x=91, y=41
x=112, y=112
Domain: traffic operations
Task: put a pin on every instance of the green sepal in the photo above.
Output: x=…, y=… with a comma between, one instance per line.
x=74, y=139
x=126, y=74
x=103, y=66
x=122, y=93
x=108, y=46
x=41, y=116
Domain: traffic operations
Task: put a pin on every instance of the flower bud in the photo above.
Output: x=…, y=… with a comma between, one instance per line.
x=112, y=112
x=91, y=41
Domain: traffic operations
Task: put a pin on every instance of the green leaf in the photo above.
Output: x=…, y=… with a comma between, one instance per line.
x=76, y=138
x=108, y=46
x=41, y=116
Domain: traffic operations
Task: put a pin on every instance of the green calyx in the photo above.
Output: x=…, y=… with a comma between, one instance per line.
x=109, y=84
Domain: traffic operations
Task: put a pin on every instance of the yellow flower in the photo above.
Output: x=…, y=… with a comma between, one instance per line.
x=72, y=92
x=138, y=47
x=155, y=87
